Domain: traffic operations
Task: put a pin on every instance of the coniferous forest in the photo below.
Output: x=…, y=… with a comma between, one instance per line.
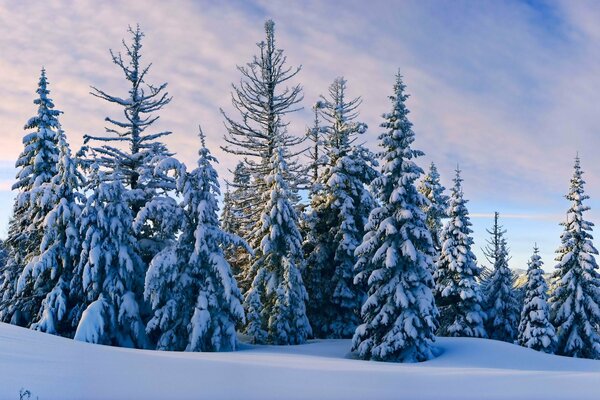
x=313, y=236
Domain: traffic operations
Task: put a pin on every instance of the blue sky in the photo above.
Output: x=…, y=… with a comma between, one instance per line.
x=507, y=90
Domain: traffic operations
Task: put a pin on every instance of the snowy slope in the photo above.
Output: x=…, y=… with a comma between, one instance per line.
x=56, y=368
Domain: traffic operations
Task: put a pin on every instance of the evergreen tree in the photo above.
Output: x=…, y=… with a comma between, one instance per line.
x=340, y=206
x=263, y=102
x=227, y=218
x=194, y=296
x=317, y=160
x=437, y=208
x=575, y=302
x=50, y=273
x=236, y=220
x=457, y=291
x=395, y=256
x=37, y=165
x=535, y=329
x=316, y=151
x=128, y=145
x=110, y=269
x=501, y=304
x=275, y=302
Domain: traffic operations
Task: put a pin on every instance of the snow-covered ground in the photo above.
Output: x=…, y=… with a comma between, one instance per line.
x=56, y=368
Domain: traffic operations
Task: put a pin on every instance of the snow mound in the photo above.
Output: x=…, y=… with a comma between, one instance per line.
x=56, y=368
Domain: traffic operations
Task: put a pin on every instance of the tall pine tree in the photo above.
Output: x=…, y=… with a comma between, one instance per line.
x=575, y=302
x=129, y=146
x=235, y=219
x=263, y=102
x=228, y=218
x=395, y=257
x=535, y=329
x=276, y=300
x=340, y=206
x=50, y=274
x=457, y=291
x=37, y=166
x=437, y=208
x=316, y=152
x=195, y=299
x=501, y=305
x=110, y=269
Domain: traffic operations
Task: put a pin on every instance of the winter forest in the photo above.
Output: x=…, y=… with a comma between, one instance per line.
x=313, y=236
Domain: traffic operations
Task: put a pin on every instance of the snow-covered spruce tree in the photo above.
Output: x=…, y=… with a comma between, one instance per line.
x=535, y=329
x=395, y=256
x=228, y=218
x=263, y=102
x=316, y=151
x=129, y=145
x=37, y=165
x=110, y=269
x=501, y=305
x=437, y=208
x=235, y=219
x=232, y=219
x=457, y=291
x=275, y=302
x=50, y=274
x=340, y=207
x=317, y=160
x=575, y=301
x=190, y=285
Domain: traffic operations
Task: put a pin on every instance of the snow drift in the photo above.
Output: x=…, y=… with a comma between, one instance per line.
x=56, y=368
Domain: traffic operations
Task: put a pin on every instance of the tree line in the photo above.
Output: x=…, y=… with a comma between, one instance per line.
x=123, y=244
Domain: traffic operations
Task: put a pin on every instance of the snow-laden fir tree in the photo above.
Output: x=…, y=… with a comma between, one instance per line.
x=437, y=208
x=37, y=165
x=195, y=299
x=235, y=219
x=340, y=207
x=575, y=301
x=316, y=153
x=500, y=297
x=317, y=160
x=457, y=290
x=395, y=257
x=50, y=274
x=228, y=218
x=263, y=102
x=129, y=144
x=275, y=303
x=535, y=329
x=110, y=269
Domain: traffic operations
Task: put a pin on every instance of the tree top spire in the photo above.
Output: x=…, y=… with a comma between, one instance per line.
x=457, y=178
x=202, y=136
x=269, y=25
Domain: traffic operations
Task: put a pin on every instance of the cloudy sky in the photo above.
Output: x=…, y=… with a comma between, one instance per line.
x=508, y=90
